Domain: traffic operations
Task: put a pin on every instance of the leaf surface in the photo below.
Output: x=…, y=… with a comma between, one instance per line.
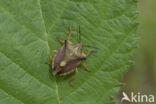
x=28, y=33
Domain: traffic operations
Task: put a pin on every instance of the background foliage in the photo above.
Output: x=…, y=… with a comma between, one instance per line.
x=142, y=75
x=28, y=32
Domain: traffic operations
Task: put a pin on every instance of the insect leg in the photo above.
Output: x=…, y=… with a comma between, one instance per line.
x=54, y=51
x=48, y=63
x=76, y=72
x=51, y=57
x=69, y=33
x=91, y=51
x=85, y=66
x=61, y=41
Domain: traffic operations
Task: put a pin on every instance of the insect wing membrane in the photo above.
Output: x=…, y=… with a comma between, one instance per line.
x=70, y=66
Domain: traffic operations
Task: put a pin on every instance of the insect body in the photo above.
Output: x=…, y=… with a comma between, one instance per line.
x=68, y=57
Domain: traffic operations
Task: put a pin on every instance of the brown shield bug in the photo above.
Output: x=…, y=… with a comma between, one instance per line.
x=68, y=57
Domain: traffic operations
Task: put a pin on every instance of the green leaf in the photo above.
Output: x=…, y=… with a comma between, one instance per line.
x=28, y=32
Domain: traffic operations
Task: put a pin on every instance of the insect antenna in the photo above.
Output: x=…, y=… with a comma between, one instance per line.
x=90, y=46
x=79, y=34
x=65, y=43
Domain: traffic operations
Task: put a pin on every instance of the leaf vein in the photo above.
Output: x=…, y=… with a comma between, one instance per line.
x=59, y=16
x=46, y=36
x=22, y=102
x=15, y=20
x=26, y=71
x=121, y=14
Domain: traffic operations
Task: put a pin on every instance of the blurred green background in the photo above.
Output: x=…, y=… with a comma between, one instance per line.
x=141, y=77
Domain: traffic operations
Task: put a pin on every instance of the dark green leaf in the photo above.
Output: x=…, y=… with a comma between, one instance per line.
x=28, y=32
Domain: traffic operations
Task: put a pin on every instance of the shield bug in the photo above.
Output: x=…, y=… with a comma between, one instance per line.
x=68, y=57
